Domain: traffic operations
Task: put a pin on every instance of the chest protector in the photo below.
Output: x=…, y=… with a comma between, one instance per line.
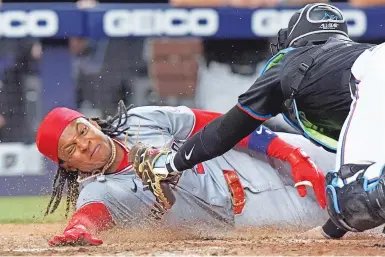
x=294, y=70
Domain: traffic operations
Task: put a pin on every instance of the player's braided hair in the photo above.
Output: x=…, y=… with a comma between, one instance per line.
x=112, y=127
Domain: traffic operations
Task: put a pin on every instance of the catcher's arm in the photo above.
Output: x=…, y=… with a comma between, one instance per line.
x=89, y=219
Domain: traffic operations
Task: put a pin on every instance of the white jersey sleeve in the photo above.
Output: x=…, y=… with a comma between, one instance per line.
x=177, y=121
x=363, y=65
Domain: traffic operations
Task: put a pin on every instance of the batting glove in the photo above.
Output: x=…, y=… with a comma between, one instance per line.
x=306, y=173
x=75, y=236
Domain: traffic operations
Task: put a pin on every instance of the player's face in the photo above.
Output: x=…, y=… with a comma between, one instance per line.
x=83, y=146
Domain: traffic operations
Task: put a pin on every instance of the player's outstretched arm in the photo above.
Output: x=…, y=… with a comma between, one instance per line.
x=89, y=219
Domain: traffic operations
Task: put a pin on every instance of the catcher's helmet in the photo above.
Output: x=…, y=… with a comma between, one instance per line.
x=314, y=23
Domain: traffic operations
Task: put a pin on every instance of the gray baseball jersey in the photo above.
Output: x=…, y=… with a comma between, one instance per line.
x=203, y=199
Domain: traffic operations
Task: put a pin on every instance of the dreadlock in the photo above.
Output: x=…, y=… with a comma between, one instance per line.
x=112, y=127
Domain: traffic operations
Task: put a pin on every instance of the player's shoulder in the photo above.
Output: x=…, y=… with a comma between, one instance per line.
x=142, y=109
x=108, y=180
x=99, y=186
x=153, y=109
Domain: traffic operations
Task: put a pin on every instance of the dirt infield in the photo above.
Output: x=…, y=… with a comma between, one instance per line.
x=31, y=239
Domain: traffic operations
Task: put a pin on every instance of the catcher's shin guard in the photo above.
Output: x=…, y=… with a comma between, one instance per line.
x=355, y=203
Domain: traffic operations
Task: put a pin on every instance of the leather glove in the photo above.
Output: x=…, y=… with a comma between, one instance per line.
x=150, y=165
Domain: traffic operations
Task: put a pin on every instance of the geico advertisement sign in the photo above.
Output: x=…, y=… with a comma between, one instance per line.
x=38, y=23
x=169, y=22
x=266, y=23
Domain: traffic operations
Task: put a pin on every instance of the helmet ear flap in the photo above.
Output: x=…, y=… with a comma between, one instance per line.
x=281, y=41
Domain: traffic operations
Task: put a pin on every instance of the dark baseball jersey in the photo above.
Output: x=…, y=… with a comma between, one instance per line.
x=324, y=94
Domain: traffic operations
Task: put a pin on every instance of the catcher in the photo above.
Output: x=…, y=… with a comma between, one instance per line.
x=96, y=159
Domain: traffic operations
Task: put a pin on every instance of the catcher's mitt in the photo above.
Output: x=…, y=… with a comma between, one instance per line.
x=149, y=164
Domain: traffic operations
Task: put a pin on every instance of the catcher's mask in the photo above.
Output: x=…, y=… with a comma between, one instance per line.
x=315, y=23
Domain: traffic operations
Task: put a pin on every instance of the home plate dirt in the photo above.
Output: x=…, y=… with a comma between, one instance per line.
x=31, y=239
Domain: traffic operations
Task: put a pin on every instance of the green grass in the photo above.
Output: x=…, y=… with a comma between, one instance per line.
x=28, y=210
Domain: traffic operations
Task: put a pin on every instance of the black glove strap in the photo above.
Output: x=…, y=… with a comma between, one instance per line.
x=169, y=168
